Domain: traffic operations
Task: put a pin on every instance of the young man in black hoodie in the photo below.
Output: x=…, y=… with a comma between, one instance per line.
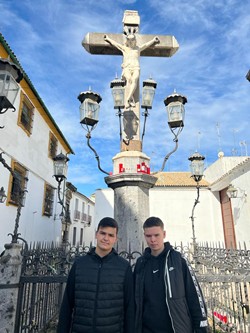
x=167, y=294
x=99, y=295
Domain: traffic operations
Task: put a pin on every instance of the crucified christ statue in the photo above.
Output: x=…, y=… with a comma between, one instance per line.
x=131, y=65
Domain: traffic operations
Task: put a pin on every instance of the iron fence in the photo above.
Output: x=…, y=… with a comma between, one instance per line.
x=223, y=275
x=44, y=273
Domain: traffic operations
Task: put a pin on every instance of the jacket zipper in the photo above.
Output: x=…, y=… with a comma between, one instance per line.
x=168, y=289
x=97, y=292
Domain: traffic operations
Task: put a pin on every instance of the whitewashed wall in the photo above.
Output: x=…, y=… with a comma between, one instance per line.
x=234, y=170
x=174, y=207
x=31, y=152
x=104, y=204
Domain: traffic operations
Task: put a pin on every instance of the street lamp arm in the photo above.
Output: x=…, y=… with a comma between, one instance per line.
x=119, y=114
x=2, y=160
x=196, y=201
x=192, y=216
x=88, y=136
x=60, y=200
x=21, y=192
x=169, y=154
x=145, y=114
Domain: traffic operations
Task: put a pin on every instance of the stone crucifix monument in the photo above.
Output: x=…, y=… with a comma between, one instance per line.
x=131, y=179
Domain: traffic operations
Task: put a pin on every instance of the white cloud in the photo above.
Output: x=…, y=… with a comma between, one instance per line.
x=209, y=69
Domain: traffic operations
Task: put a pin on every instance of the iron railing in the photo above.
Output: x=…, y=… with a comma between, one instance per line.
x=224, y=276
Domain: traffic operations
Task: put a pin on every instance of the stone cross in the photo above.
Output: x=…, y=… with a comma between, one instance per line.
x=131, y=45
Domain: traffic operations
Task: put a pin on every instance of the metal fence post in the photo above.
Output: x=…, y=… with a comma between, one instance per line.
x=10, y=268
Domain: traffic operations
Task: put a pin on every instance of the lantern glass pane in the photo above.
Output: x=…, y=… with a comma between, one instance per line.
x=197, y=168
x=232, y=192
x=8, y=87
x=176, y=114
x=118, y=97
x=89, y=112
x=60, y=168
x=148, y=96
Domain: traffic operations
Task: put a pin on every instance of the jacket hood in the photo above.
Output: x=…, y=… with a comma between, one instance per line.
x=167, y=247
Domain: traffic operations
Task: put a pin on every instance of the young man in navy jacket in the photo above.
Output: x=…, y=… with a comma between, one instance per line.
x=99, y=295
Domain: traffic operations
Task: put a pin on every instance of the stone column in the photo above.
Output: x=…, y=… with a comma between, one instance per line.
x=131, y=184
x=10, y=268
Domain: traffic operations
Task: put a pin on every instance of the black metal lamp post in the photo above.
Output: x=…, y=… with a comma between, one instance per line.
x=89, y=113
x=89, y=117
x=176, y=113
x=60, y=167
x=20, y=191
x=118, y=92
x=60, y=173
x=2, y=195
x=148, y=93
x=197, y=169
x=10, y=76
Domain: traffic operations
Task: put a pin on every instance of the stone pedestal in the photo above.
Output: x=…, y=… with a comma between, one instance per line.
x=10, y=268
x=131, y=182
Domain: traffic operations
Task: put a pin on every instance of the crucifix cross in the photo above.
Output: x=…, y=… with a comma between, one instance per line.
x=132, y=46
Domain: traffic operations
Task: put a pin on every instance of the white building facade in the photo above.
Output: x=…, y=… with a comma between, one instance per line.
x=217, y=218
x=28, y=142
x=82, y=228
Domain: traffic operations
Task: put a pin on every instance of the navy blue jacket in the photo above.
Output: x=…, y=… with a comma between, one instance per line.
x=99, y=296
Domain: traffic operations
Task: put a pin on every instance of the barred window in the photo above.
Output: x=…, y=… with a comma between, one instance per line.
x=52, y=145
x=18, y=185
x=48, y=200
x=26, y=114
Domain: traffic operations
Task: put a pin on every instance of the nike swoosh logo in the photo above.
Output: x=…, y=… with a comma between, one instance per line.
x=156, y=271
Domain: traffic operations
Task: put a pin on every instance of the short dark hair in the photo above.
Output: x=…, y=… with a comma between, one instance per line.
x=108, y=222
x=153, y=222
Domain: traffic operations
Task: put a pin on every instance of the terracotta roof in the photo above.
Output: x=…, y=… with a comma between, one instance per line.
x=181, y=179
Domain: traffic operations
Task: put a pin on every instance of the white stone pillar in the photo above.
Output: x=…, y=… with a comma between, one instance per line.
x=131, y=207
x=10, y=268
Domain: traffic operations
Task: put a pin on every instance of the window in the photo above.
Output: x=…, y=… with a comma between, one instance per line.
x=76, y=212
x=18, y=185
x=48, y=200
x=52, y=145
x=81, y=236
x=74, y=236
x=26, y=113
x=83, y=215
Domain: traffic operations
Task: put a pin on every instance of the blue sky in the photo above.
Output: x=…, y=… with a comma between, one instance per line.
x=209, y=69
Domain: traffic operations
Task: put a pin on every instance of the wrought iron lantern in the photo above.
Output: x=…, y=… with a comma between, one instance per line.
x=89, y=108
x=3, y=196
x=175, y=109
x=148, y=93
x=117, y=86
x=10, y=76
x=60, y=167
x=232, y=191
x=197, y=166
